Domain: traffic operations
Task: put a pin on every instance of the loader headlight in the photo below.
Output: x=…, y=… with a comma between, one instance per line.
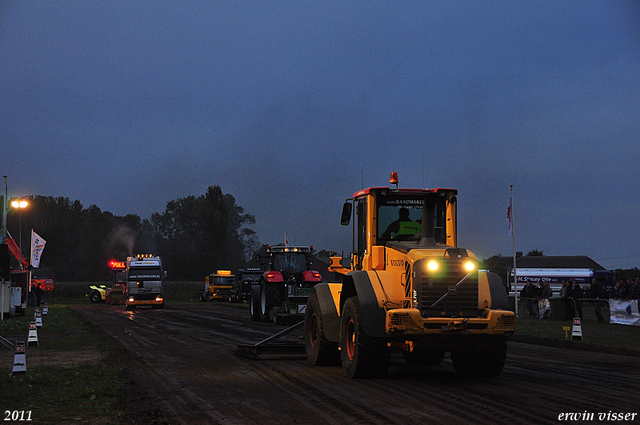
x=469, y=266
x=432, y=265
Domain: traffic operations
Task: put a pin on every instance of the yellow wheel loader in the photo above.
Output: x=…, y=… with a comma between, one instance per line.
x=409, y=286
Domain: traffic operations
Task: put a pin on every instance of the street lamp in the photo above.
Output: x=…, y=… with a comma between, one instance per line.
x=20, y=205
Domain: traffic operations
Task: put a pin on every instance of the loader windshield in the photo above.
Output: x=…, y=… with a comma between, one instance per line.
x=400, y=218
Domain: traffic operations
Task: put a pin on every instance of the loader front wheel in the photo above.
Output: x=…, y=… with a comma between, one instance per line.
x=362, y=356
x=320, y=351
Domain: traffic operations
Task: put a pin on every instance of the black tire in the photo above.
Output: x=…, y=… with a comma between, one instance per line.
x=95, y=297
x=320, y=351
x=254, y=304
x=158, y=305
x=422, y=356
x=484, y=362
x=362, y=356
x=269, y=298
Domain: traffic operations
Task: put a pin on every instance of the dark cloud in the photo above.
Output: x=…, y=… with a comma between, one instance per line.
x=293, y=107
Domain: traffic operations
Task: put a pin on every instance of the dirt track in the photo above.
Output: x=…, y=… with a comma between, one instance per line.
x=185, y=359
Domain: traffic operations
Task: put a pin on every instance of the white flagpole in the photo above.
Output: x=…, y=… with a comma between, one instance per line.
x=3, y=239
x=513, y=238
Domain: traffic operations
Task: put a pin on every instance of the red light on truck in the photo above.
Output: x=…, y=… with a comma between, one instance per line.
x=117, y=265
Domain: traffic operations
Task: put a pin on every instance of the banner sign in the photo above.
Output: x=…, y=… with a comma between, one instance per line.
x=37, y=246
x=624, y=312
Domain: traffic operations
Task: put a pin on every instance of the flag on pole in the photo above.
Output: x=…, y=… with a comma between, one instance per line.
x=510, y=217
x=37, y=246
x=286, y=241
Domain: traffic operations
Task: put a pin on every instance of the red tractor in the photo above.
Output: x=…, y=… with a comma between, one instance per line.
x=282, y=291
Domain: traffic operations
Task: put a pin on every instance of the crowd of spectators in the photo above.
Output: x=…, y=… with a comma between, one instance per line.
x=574, y=295
x=626, y=289
x=537, y=295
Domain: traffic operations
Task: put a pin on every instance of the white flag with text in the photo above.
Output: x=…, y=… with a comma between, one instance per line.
x=37, y=246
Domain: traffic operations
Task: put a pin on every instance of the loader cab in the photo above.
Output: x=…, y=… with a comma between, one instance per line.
x=386, y=216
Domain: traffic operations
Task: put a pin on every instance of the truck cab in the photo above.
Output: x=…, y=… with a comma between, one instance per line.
x=218, y=286
x=144, y=276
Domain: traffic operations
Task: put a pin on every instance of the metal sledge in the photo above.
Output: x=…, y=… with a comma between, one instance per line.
x=268, y=350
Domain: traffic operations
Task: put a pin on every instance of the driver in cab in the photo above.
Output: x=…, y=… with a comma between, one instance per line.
x=403, y=228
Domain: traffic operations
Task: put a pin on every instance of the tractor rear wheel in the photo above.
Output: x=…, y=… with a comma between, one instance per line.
x=362, y=356
x=320, y=351
x=269, y=298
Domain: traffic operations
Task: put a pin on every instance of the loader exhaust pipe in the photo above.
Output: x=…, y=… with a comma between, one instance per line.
x=428, y=218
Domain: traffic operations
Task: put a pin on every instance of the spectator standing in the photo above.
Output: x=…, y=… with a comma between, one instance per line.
x=567, y=302
x=616, y=291
x=624, y=290
x=574, y=294
x=38, y=294
x=529, y=295
x=598, y=294
x=544, y=305
x=635, y=289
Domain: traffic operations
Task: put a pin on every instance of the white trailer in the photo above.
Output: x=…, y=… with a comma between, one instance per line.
x=555, y=276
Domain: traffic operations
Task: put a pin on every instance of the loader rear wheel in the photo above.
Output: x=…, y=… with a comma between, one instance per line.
x=320, y=351
x=362, y=356
x=486, y=362
x=269, y=298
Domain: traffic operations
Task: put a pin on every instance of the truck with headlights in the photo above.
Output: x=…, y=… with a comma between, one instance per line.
x=409, y=286
x=218, y=286
x=144, y=276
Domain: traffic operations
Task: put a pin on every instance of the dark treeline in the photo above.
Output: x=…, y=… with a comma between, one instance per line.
x=194, y=235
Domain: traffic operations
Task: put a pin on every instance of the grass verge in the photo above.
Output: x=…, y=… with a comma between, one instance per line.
x=603, y=337
x=75, y=375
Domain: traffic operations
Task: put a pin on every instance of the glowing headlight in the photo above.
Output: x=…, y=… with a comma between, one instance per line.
x=432, y=265
x=469, y=266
